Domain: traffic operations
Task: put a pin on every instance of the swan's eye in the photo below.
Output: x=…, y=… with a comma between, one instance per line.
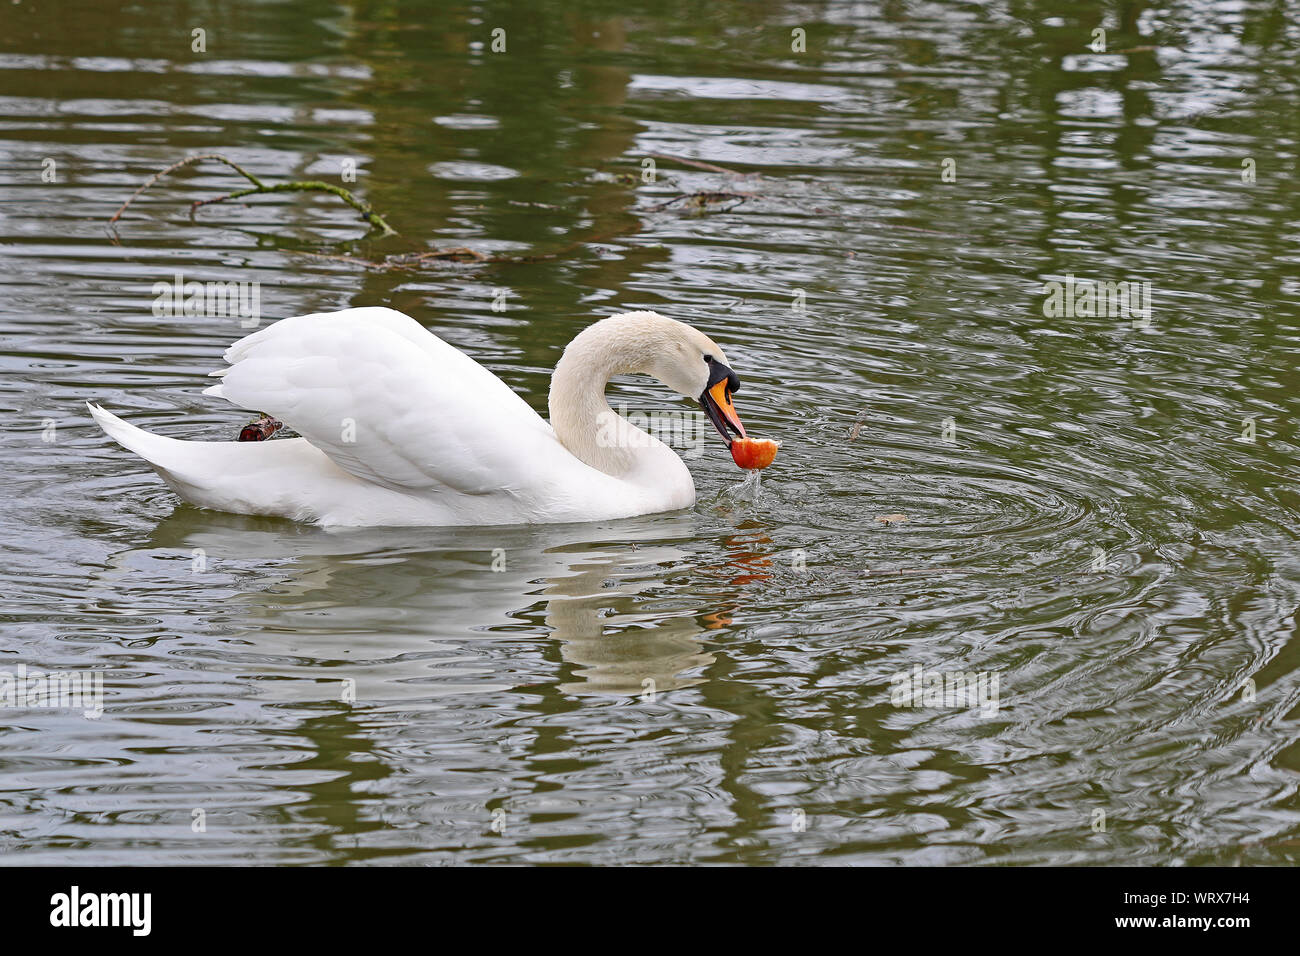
x=708, y=359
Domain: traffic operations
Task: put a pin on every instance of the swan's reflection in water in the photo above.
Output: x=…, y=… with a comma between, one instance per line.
x=615, y=647
x=416, y=613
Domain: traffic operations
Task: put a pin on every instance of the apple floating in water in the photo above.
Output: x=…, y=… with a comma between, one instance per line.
x=754, y=453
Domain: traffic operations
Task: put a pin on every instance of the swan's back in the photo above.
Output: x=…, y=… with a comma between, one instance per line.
x=387, y=400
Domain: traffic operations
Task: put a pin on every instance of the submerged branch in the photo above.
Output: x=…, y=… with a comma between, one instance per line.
x=364, y=209
x=699, y=200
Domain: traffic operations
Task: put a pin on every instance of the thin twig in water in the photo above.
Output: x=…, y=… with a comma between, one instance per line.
x=868, y=572
x=698, y=164
x=410, y=260
x=367, y=213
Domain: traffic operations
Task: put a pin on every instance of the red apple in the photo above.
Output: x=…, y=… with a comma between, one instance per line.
x=754, y=452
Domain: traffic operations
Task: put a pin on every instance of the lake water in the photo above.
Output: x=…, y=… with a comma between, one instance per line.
x=1100, y=504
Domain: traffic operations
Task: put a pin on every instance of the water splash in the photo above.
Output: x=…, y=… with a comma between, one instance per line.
x=749, y=490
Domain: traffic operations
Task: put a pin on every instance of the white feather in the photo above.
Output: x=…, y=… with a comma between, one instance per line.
x=398, y=428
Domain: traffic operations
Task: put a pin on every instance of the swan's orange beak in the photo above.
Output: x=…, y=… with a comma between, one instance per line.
x=716, y=401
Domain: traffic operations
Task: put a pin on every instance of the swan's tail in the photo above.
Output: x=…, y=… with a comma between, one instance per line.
x=243, y=477
x=160, y=452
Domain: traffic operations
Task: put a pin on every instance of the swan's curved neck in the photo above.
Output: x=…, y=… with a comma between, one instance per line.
x=580, y=415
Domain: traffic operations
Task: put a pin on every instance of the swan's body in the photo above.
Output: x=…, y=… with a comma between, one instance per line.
x=400, y=428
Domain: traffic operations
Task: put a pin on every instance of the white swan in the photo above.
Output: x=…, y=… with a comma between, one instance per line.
x=400, y=428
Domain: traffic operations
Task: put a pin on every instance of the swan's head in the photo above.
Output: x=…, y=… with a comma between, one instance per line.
x=694, y=366
x=638, y=343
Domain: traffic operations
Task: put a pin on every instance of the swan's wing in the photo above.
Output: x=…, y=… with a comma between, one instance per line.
x=386, y=400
